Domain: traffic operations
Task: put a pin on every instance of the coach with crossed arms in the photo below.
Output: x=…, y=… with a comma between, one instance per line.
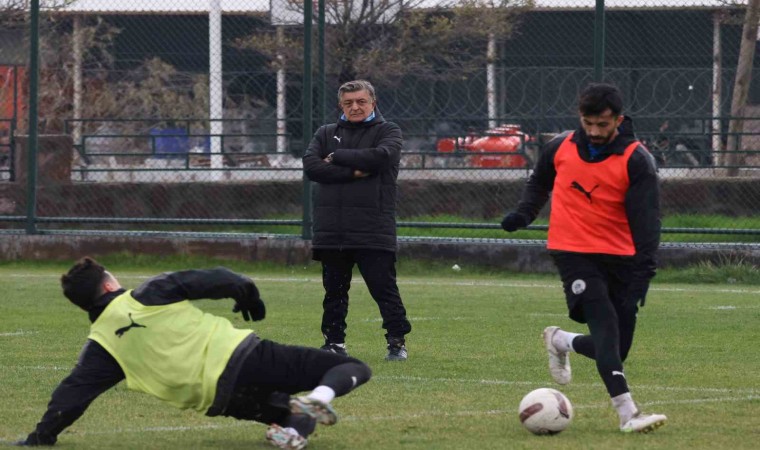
x=354, y=164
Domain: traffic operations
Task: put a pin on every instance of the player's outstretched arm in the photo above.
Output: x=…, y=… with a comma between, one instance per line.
x=214, y=284
x=95, y=372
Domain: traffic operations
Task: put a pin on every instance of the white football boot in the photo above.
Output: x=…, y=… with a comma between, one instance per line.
x=559, y=361
x=643, y=423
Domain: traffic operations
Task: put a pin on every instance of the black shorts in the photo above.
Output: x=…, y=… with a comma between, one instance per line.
x=272, y=373
x=592, y=276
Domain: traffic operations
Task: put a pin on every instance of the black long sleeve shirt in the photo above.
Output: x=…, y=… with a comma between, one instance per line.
x=96, y=371
x=642, y=201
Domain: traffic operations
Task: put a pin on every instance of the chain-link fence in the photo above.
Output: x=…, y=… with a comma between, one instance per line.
x=193, y=114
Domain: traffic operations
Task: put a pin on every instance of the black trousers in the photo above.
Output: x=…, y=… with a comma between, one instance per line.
x=378, y=268
x=273, y=372
x=597, y=292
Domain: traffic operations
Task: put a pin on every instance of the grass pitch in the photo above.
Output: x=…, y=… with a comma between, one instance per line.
x=475, y=350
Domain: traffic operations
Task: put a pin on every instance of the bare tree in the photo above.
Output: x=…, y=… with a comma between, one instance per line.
x=17, y=11
x=156, y=90
x=57, y=66
x=386, y=39
x=76, y=52
x=14, y=23
x=741, y=85
x=152, y=89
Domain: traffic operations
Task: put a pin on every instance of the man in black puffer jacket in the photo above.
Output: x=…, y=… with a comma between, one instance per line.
x=354, y=164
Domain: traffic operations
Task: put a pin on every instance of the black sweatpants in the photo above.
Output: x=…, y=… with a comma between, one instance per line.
x=597, y=292
x=378, y=268
x=273, y=372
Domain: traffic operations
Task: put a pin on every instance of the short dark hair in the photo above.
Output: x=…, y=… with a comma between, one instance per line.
x=356, y=86
x=83, y=283
x=596, y=98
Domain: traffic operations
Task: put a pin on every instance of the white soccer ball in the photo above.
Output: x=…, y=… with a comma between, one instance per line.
x=456, y=268
x=545, y=411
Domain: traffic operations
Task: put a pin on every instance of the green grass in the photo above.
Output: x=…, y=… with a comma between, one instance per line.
x=730, y=270
x=474, y=352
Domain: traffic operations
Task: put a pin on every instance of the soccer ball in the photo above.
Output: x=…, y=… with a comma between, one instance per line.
x=545, y=411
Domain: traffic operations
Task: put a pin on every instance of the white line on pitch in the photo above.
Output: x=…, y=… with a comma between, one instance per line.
x=437, y=283
x=319, y=280
x=54, y=368
x=731, y=308
x=421, y=319
x=507, y=284
x=513, y=411
x=170, y=428
x=749, y=391
x=18, y=333
x=405, y=417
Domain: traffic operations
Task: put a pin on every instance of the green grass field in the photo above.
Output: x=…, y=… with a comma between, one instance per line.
x=474, y=352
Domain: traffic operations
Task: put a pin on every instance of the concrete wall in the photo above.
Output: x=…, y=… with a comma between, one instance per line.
x=505, y=255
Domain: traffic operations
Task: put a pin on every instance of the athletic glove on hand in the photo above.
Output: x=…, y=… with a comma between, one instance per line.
x=250, y=304
x=513, y=221
x=637, y=291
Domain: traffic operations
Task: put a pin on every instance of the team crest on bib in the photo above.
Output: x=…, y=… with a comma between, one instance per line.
x=578, y=287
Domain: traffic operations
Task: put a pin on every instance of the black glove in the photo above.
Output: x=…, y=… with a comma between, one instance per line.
x=250, y=304
x=34, y=439
x=513, y=221
x=637, y=291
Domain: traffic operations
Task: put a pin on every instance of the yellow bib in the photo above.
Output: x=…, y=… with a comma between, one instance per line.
x=175, y=352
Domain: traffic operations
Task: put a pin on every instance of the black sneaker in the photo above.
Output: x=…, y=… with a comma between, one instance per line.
x=396, y=350
x=334, y=348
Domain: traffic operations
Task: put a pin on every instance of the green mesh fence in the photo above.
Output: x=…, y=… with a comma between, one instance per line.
x=182, y=115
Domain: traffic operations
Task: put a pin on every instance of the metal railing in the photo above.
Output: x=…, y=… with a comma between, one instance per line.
x=180, y=142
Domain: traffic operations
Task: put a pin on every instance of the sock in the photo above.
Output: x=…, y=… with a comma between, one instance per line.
x=563, y=340
x=322, y=394
x=570, y=338
x=625, y=407
x=300, y=423
x=396, y=341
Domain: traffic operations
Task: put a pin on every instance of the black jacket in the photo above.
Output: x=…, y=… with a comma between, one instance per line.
x=351, y=212
x=97, y=371
x=642, y=201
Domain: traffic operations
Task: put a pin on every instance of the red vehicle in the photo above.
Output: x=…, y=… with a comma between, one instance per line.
x=12, y=109
x=502, y=146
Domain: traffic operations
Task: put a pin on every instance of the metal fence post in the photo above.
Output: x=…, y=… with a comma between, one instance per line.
x=321, y=88
x=307, y=112
x=31, y=181
x=599, y=41
x=14, y=126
